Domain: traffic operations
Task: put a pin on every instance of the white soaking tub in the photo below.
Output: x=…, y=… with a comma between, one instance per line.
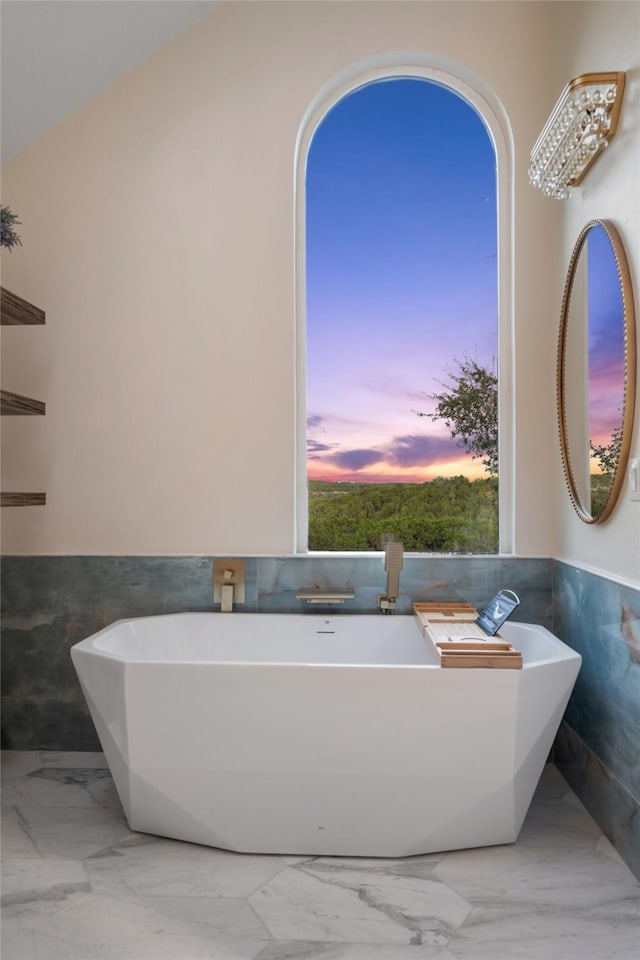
x=304, y=734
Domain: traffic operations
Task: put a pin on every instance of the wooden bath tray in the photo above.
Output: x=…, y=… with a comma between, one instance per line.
x=451, y=631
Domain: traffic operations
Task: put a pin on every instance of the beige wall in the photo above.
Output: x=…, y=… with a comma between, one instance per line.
x=597, y=36
x=158, y=235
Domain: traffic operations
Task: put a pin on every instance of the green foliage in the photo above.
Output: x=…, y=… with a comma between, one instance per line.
x=8, y=236
x=600, y=490
x=447, y=515
x=608, y=454
x=469, y=409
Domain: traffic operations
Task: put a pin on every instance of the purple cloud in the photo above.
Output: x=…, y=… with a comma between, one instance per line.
x=356, y=459
x=314, y=447
x=418, y=450
x=314, y=422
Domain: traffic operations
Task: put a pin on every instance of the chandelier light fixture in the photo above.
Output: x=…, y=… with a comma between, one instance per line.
x=582, y=123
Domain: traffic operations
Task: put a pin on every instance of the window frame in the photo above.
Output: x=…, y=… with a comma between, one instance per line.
x=487, y=105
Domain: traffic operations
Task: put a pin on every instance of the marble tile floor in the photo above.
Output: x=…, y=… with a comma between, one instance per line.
x=79, y=885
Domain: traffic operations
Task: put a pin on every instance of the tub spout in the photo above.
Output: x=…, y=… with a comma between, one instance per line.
x=320, y=595
x=393, y=565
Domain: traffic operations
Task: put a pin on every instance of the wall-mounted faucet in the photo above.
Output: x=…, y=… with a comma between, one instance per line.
x=226, y=592
x=393, y=554
x=228, y=583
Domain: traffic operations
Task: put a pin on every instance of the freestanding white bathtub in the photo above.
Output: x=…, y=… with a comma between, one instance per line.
x=304, y=734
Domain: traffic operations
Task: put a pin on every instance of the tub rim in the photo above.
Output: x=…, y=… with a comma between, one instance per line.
x=89, y=646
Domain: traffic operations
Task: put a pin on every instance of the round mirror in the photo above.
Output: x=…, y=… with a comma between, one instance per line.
x=596, y=371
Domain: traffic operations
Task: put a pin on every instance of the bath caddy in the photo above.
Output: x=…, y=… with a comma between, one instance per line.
x=451, y=631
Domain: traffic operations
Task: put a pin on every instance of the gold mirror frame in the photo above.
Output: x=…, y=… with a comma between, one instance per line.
x=629, y=389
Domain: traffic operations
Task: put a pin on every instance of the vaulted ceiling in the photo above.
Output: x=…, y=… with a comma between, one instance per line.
x=57, y=54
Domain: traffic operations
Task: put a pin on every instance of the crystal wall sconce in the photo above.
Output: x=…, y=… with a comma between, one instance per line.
x=583, y=121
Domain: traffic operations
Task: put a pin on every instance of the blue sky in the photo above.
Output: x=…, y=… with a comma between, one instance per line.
x=401, y=277
x=606, y=338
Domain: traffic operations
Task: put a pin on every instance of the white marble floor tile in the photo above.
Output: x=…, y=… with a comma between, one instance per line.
x=17, y=940
x=556, y=823
x=314, y=950
x=322, y=901
x=552, y=785
x=73, y=832
x=80, y=885
x=421, y=865
x=606, y=848
x=45, y=792
x=17, y=763
x=15, y=838
x=546, y=934
x=172, y=869
x=560, y=879
x=222, y=916
x=26, y=881
x=570, y=798
x=104, y=928
x=63, y=786
x=86, y=761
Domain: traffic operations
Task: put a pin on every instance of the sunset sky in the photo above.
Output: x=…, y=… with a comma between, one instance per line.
x=606, y=338
x=401, y=278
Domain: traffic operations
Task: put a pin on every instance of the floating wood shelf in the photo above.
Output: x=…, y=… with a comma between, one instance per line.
x=23, y=499
x=15, y=310
x=13, y=404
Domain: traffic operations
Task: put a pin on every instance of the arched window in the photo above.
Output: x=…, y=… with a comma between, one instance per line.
x=401, y=332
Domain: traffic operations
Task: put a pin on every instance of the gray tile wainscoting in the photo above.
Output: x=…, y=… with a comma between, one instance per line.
x=50, y=603
x=598, y=746
x=475, y=579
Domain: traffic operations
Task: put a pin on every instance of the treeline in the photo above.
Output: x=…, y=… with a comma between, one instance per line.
x=446, y=515
x=600, y=489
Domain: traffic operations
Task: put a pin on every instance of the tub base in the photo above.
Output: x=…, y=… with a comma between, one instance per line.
x=366, y=760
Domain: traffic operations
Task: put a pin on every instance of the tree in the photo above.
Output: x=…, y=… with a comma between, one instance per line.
x=469, y=409
x=608, y=454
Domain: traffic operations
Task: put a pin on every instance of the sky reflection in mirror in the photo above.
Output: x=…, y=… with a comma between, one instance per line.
x=606, y=340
